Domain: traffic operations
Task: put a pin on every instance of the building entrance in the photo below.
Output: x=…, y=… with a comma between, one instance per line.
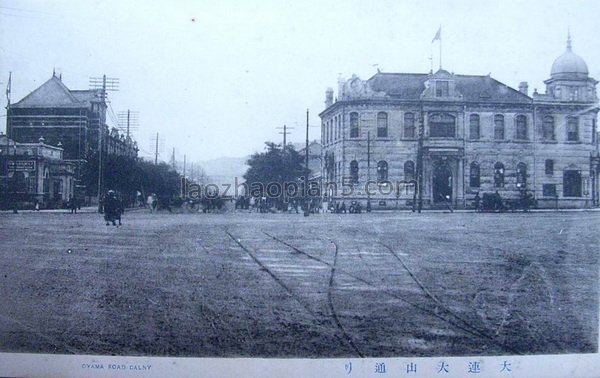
x=442, y=183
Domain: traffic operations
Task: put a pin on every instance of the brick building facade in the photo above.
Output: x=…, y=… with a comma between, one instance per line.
x=73, y=118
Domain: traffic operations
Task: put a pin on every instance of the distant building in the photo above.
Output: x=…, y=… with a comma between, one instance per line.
x=34, y=172
x=473, y=134
x=315, y=149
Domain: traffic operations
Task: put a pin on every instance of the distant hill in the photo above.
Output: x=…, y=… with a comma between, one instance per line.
x=225, y=170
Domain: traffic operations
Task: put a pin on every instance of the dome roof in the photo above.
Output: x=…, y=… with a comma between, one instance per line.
x=569, y=64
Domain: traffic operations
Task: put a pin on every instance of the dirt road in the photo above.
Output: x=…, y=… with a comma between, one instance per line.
x=282, y=285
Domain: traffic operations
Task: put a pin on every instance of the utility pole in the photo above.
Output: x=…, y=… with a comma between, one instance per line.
x=9, y=132
x=156, y=151
x=285, y=133
x=105, y=84
x=157, y=144
x=306, y=201
x=184, y=166
x=173, y=158
x=368, y=169
x=419, y=182
x=128, y=121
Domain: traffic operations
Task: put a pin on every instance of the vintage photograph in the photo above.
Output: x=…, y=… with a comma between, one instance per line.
x=347, y=180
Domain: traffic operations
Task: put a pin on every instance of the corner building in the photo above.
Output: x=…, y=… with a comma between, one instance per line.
x=473, y=134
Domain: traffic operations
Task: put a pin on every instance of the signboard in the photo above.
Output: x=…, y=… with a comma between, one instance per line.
x=21, y=165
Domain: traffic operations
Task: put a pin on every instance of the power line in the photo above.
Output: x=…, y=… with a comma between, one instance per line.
x=129, y=121
x=104, y=84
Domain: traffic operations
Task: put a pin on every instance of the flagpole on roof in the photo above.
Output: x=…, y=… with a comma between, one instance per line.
x=440, y=37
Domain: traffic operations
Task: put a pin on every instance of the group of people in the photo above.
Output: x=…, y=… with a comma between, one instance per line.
x=494, y=202
x=355, y=207
x=113, y=208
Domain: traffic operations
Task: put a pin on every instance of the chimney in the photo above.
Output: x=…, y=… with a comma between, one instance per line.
x=328, y=97
x=524, y=88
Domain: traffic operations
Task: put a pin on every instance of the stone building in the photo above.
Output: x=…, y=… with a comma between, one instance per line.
x=472, y=134
x=34, y=172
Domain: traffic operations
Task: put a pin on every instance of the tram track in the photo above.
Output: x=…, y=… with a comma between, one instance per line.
x=335, y=319
x=334, y=313
x=439, y=310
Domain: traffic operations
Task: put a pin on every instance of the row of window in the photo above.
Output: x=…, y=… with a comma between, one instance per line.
x=475, y=175
x=382, y=171
x=572, y=183
x=444, y=126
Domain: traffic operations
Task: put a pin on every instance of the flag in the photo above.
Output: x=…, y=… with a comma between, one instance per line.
x=438, y=35
x=8, y=87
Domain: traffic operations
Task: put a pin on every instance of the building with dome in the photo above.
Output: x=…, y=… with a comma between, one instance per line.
x=462, y=135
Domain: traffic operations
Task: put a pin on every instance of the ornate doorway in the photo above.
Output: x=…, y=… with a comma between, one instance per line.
x=442, y=183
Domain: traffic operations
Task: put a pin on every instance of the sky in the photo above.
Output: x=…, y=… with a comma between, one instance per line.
x=217, y=78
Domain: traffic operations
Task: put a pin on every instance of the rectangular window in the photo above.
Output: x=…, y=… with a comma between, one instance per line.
x=382, y=125
x=549, y=167
x=499, y=127
x=442, y=89
x=572, y=132
x=474, y=126
x=474, y=176
x=548, y=128
x=353, y=125
x=442, y=126
x=521, y=127
x=549, y=190
x=409, y=125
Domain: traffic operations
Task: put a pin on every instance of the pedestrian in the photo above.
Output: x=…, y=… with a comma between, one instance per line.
x=73, y=205
x=151, y=201
x=498, y=202
x=109, y=207
x=477, y=202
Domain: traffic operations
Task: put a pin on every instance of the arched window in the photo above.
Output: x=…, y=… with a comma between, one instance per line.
x=353, y=125
x=474, y=126
x=354, y=172
x=409, y=171
x=442, y=126
x=548, y=128
x=498, y=175
x=521, y=127
x=474, y=175
x=572, y=183
x=572, y=129
x=521, y=175
x=382, y=171
x=409, y=125
x=382, y=125
x=499, y=127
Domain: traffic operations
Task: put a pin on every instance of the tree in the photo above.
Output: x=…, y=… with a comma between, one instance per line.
x=128, y=175
x=275, y=173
